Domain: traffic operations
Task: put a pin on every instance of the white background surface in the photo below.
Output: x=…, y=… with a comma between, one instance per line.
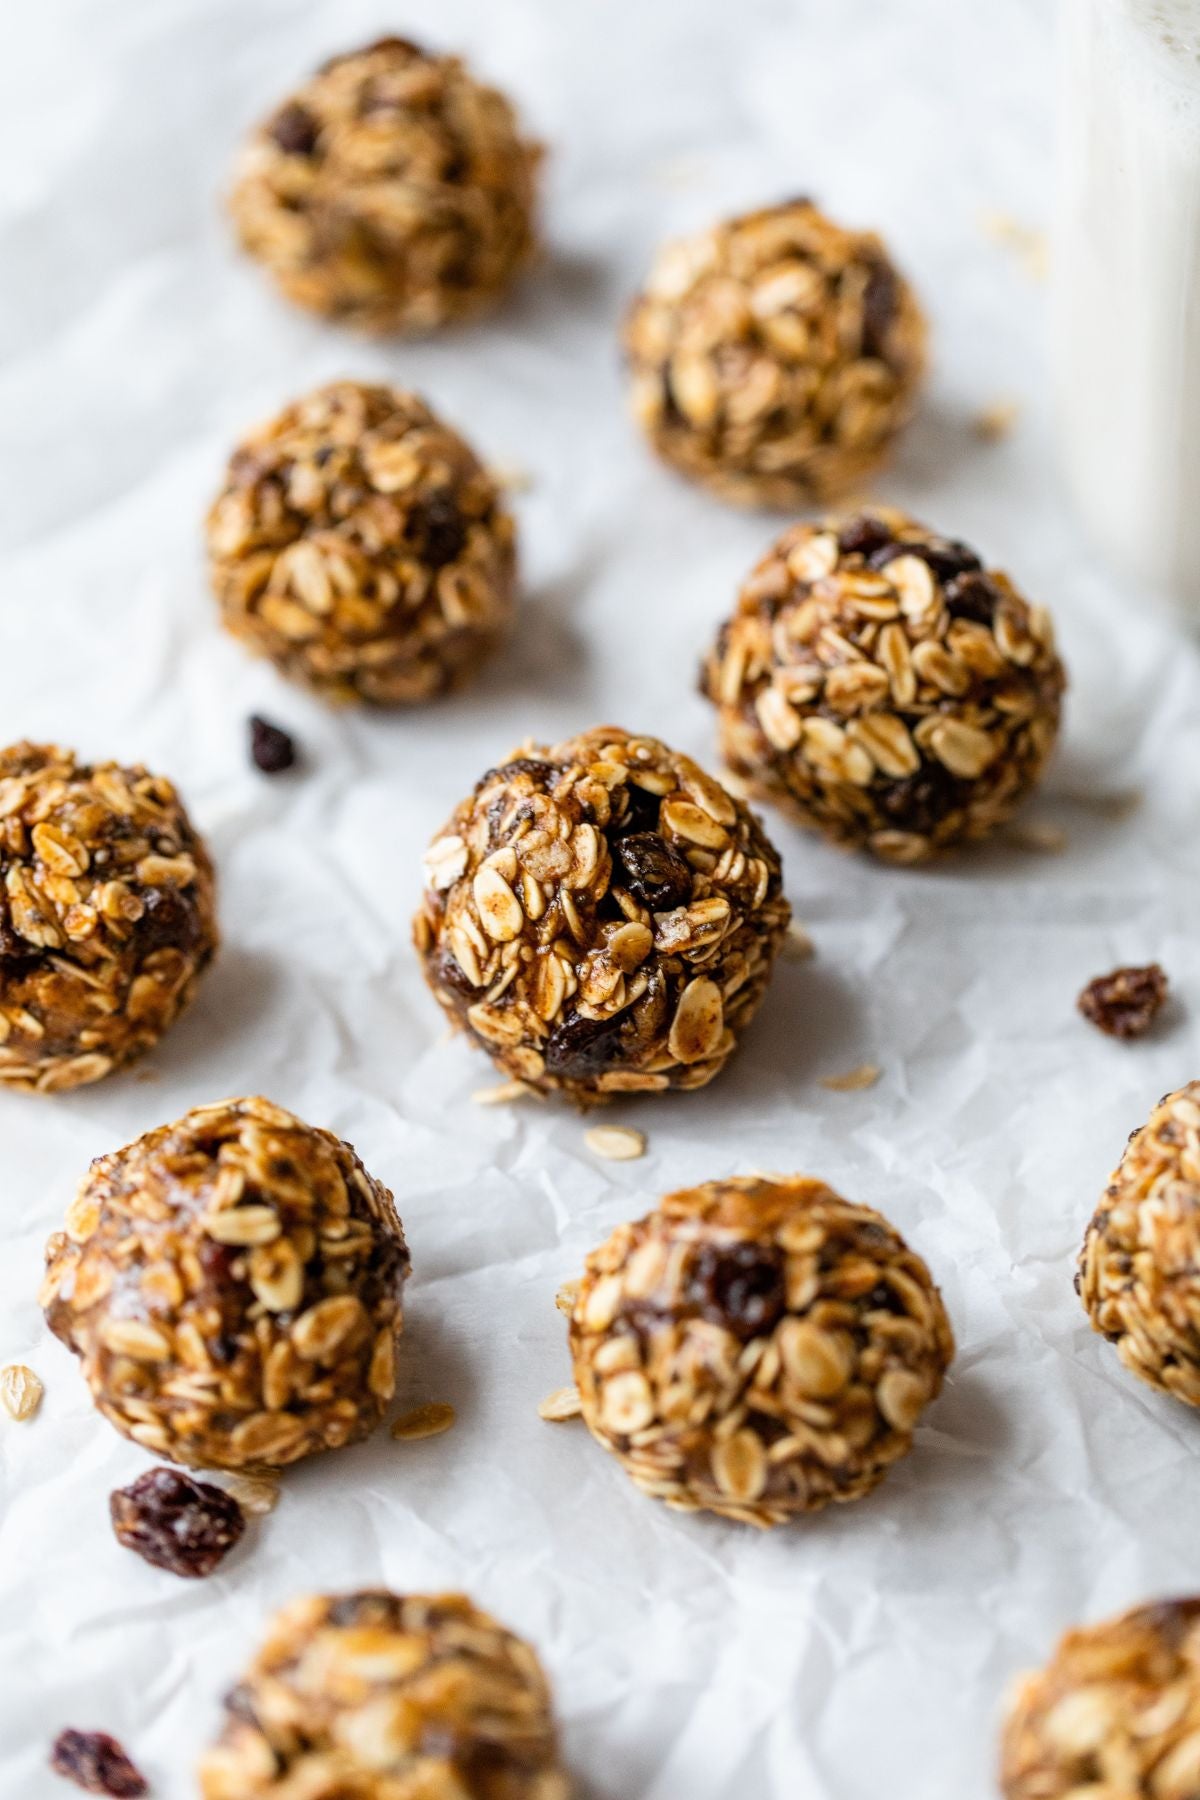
x=864, y=1652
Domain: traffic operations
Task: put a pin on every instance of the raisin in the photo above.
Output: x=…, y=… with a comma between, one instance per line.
x=739, y=1286
x=972, y=596
x=653, y=871
x=639, y=813
x=436, y=530
x=864, y=536
x=14, y=949
x=449, y=973
x=167, y=921
x=945, y=556
x=880, y=299
x=370, y=1606
x=271, y=748
x=919, y=802
x=294, y=129
x=579, y=1047
x=96, y=1762
x=1126, y=1003
x=176, y=1522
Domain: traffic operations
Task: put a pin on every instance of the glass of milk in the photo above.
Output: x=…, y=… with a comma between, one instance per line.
x=1127, y=284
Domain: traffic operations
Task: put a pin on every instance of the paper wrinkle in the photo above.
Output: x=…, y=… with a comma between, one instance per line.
x=867, y=1650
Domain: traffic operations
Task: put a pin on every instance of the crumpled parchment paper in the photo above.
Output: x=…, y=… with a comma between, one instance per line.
x=867, y=1651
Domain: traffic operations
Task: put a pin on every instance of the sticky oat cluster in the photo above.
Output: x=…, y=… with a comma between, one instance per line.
x=387, y=1697
x=757, y=1348
x=231, y=1284
x=776, y=356
x=392, y=191
x=361, y=546
x=602, y=917
x=884, y=688
x=107, y=915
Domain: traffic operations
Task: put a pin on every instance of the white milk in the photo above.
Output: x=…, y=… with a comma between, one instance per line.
x=1127, y=283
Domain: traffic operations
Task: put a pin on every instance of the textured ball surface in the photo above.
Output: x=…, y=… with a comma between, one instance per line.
x=107, y=915
x=1139, y=1271
x=231, y=1285
x=602, y=917
x=374, y=1696
x=775, y=357
x=361, y=546
x=757, y=1348
x=392, y=191
x=882, y=687
x=1115, y=1712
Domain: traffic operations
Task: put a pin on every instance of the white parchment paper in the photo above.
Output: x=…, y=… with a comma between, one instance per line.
x=866, y=1652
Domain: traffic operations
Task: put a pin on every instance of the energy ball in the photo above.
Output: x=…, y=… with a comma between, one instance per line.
x=107, y=915
x=1139, y=1271
x=775, y=357
x=231, y=1285
x=883, y=688
x=757, y=1348
x=387, y=1697
x=602, y=918
x=1116, y=1712
x=360, y=545
x=392, y=191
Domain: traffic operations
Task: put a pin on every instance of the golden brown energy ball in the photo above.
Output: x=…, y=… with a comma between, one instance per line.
x=378, y=1696
x=392, y=191
x=602, y=917
x=360, y=545
x=1114, y=1715
x=1139, y=1271
x=758, y=1348
x=775, y=357
x=107, y=915
x=231, y=1284
x=885, y=689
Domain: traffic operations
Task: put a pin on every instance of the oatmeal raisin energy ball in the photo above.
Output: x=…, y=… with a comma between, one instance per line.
x=775, y=357
x=392, y=191
x=388, y=1697
x=602, y=917
x=757, y=1348
x=1116, y=1711
x=883, y=688
x=107, y=915
x=231, y=1284
x=1139, y=1271
x=360, y=545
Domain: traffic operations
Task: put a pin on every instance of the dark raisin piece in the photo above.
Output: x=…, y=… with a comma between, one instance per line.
x=271, y=748
x=579, y=1047
x=972, y=596
x=653, y=871
x=14, y=949
x=640, y=811
x=448, y=973
x=168, y=920
x=739, y=1286
x=945, y=557
x=919, y=802
x=436, y=530
x=880, y=299
x=539, y=772
x=1126, y=1003
x=294, y=129
x=96, y=1762
x=176, y=1522
x=864, y=536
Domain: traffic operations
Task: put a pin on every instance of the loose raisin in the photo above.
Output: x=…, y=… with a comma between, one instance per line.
x=271, y=748
x=96, y=1762
x=653, y=871
x=739, y=1286
x=176, y=1522
x=1126, y=1003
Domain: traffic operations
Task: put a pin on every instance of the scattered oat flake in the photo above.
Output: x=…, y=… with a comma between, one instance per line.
x=424, y=1421
x=615, y=1143
x=991, y=423
x=864, y=1076
x=20, y=1391
x=565, y=1297
x=255, y=1494
x=502, y=1094
x=1036, y=834
x=1118, y=805
x=511, y=478
x=563, y=1403
x=96, y=1762
x=797, y=945
x=1027, y=243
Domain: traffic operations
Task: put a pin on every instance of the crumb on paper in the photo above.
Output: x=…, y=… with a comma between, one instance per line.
x=511, y=478
x=424, y=1421
x=797, y=945
x=864, y=1076
x=255, y=1494
x=1036, y=834
x=562, y=1404
x=1027, y=242
x=1119, y=803
x=615, y=1143
x=996, y=420
x=564, y=1299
